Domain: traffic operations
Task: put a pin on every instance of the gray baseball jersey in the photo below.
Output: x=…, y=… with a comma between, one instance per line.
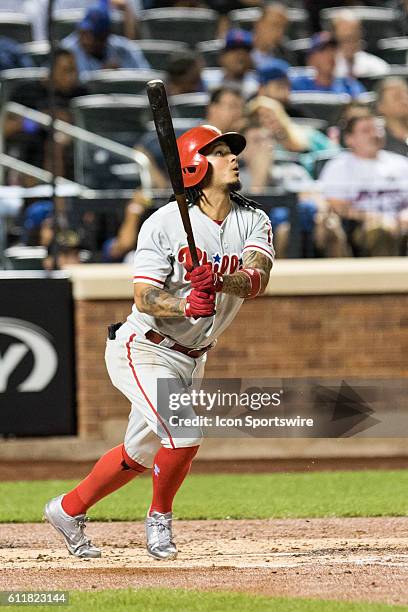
x=162, y=250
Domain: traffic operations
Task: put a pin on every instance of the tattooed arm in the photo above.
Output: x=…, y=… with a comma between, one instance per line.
x=238, y=284
x=157, y=302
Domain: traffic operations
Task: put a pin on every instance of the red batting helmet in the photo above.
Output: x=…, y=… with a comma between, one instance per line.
x=194, y=165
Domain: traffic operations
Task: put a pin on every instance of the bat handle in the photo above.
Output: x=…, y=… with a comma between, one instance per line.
x=181, y=200
x=193, y=252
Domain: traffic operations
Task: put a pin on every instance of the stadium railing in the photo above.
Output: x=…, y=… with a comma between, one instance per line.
x=78, y=133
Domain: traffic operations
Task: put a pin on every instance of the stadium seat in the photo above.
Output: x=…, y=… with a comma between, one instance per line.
x=188, y=25
x=277, y=198
x=327, y=107
x=189, y=106
x=299, y=48
x=210, y=50
x=157, y=52
x=298, y=20
x=67, y=20
x=38, y=51
x=122, y=118
x=371, y=82
x=394, y=50
x=320, y=160
x=26, y=257
x=16, y=26
x=120, y=81
x=378, y=22
x=10, y=79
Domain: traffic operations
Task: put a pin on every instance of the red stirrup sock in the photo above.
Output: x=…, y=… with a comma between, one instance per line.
x=171, y=466
x=112, y=471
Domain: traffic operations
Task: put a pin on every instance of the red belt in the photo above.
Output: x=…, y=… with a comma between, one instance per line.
x=157, y=338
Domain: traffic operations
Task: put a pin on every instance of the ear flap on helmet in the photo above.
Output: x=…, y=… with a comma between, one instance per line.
x=194, y=170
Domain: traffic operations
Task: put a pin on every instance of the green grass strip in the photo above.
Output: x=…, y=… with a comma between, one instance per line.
x=235, y=496
x=178, y=600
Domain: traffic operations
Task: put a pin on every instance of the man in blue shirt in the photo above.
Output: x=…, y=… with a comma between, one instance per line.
x=321, y=55
x=95, y=47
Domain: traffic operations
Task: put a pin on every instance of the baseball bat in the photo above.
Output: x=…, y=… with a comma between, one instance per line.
x=156, y=92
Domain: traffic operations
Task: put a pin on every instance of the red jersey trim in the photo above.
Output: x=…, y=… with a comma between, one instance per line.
x=155, y=280
x=258, y=248
x=132, y=367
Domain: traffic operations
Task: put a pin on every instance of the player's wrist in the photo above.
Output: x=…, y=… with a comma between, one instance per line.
x=184, y=307
x=255, y=281
x=218, y=280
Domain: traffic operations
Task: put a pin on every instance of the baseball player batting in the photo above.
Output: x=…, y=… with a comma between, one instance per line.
x=178, y=313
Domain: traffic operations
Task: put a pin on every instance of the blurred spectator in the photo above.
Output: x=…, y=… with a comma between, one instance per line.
x=34, y=216
x=116, y=249
x=29, y=137
x=351, y=60
x=353, y=109
x=69, y=249
x=314, y=7
x=368, y=188
x=37, y=10
x=321, y=55
x=287, y=134
x=183, y=73
x=274, y=83
x=392, y=104
x=11, y=55
x=259, y=170
x=95, y=47
x=236, y=64
x=269, y=35
x=225, y=111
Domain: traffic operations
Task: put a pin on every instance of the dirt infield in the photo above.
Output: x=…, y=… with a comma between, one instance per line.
x=347, y=559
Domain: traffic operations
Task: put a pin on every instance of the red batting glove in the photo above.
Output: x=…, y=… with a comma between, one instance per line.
x=200, y=304
x=204, y=279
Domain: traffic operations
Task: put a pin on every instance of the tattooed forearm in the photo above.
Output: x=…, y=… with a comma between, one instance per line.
x=239, y=284
x=157, y=302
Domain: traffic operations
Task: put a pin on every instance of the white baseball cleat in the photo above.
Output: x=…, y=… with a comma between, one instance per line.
x=71, y=528
x=159, y=536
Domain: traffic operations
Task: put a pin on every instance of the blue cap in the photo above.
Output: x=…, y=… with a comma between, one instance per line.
x=97, y=20
x=36, y=213
x=273, y=70
x=238, y=39
x=319, y=41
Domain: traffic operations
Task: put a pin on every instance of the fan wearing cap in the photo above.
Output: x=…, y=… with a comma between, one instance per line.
x=236, y=64
x=177, y=316
x=95, y=47
x=321, y=56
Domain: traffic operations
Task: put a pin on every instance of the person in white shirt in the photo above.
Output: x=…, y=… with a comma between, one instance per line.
x=368, y=188
x=351, y=59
